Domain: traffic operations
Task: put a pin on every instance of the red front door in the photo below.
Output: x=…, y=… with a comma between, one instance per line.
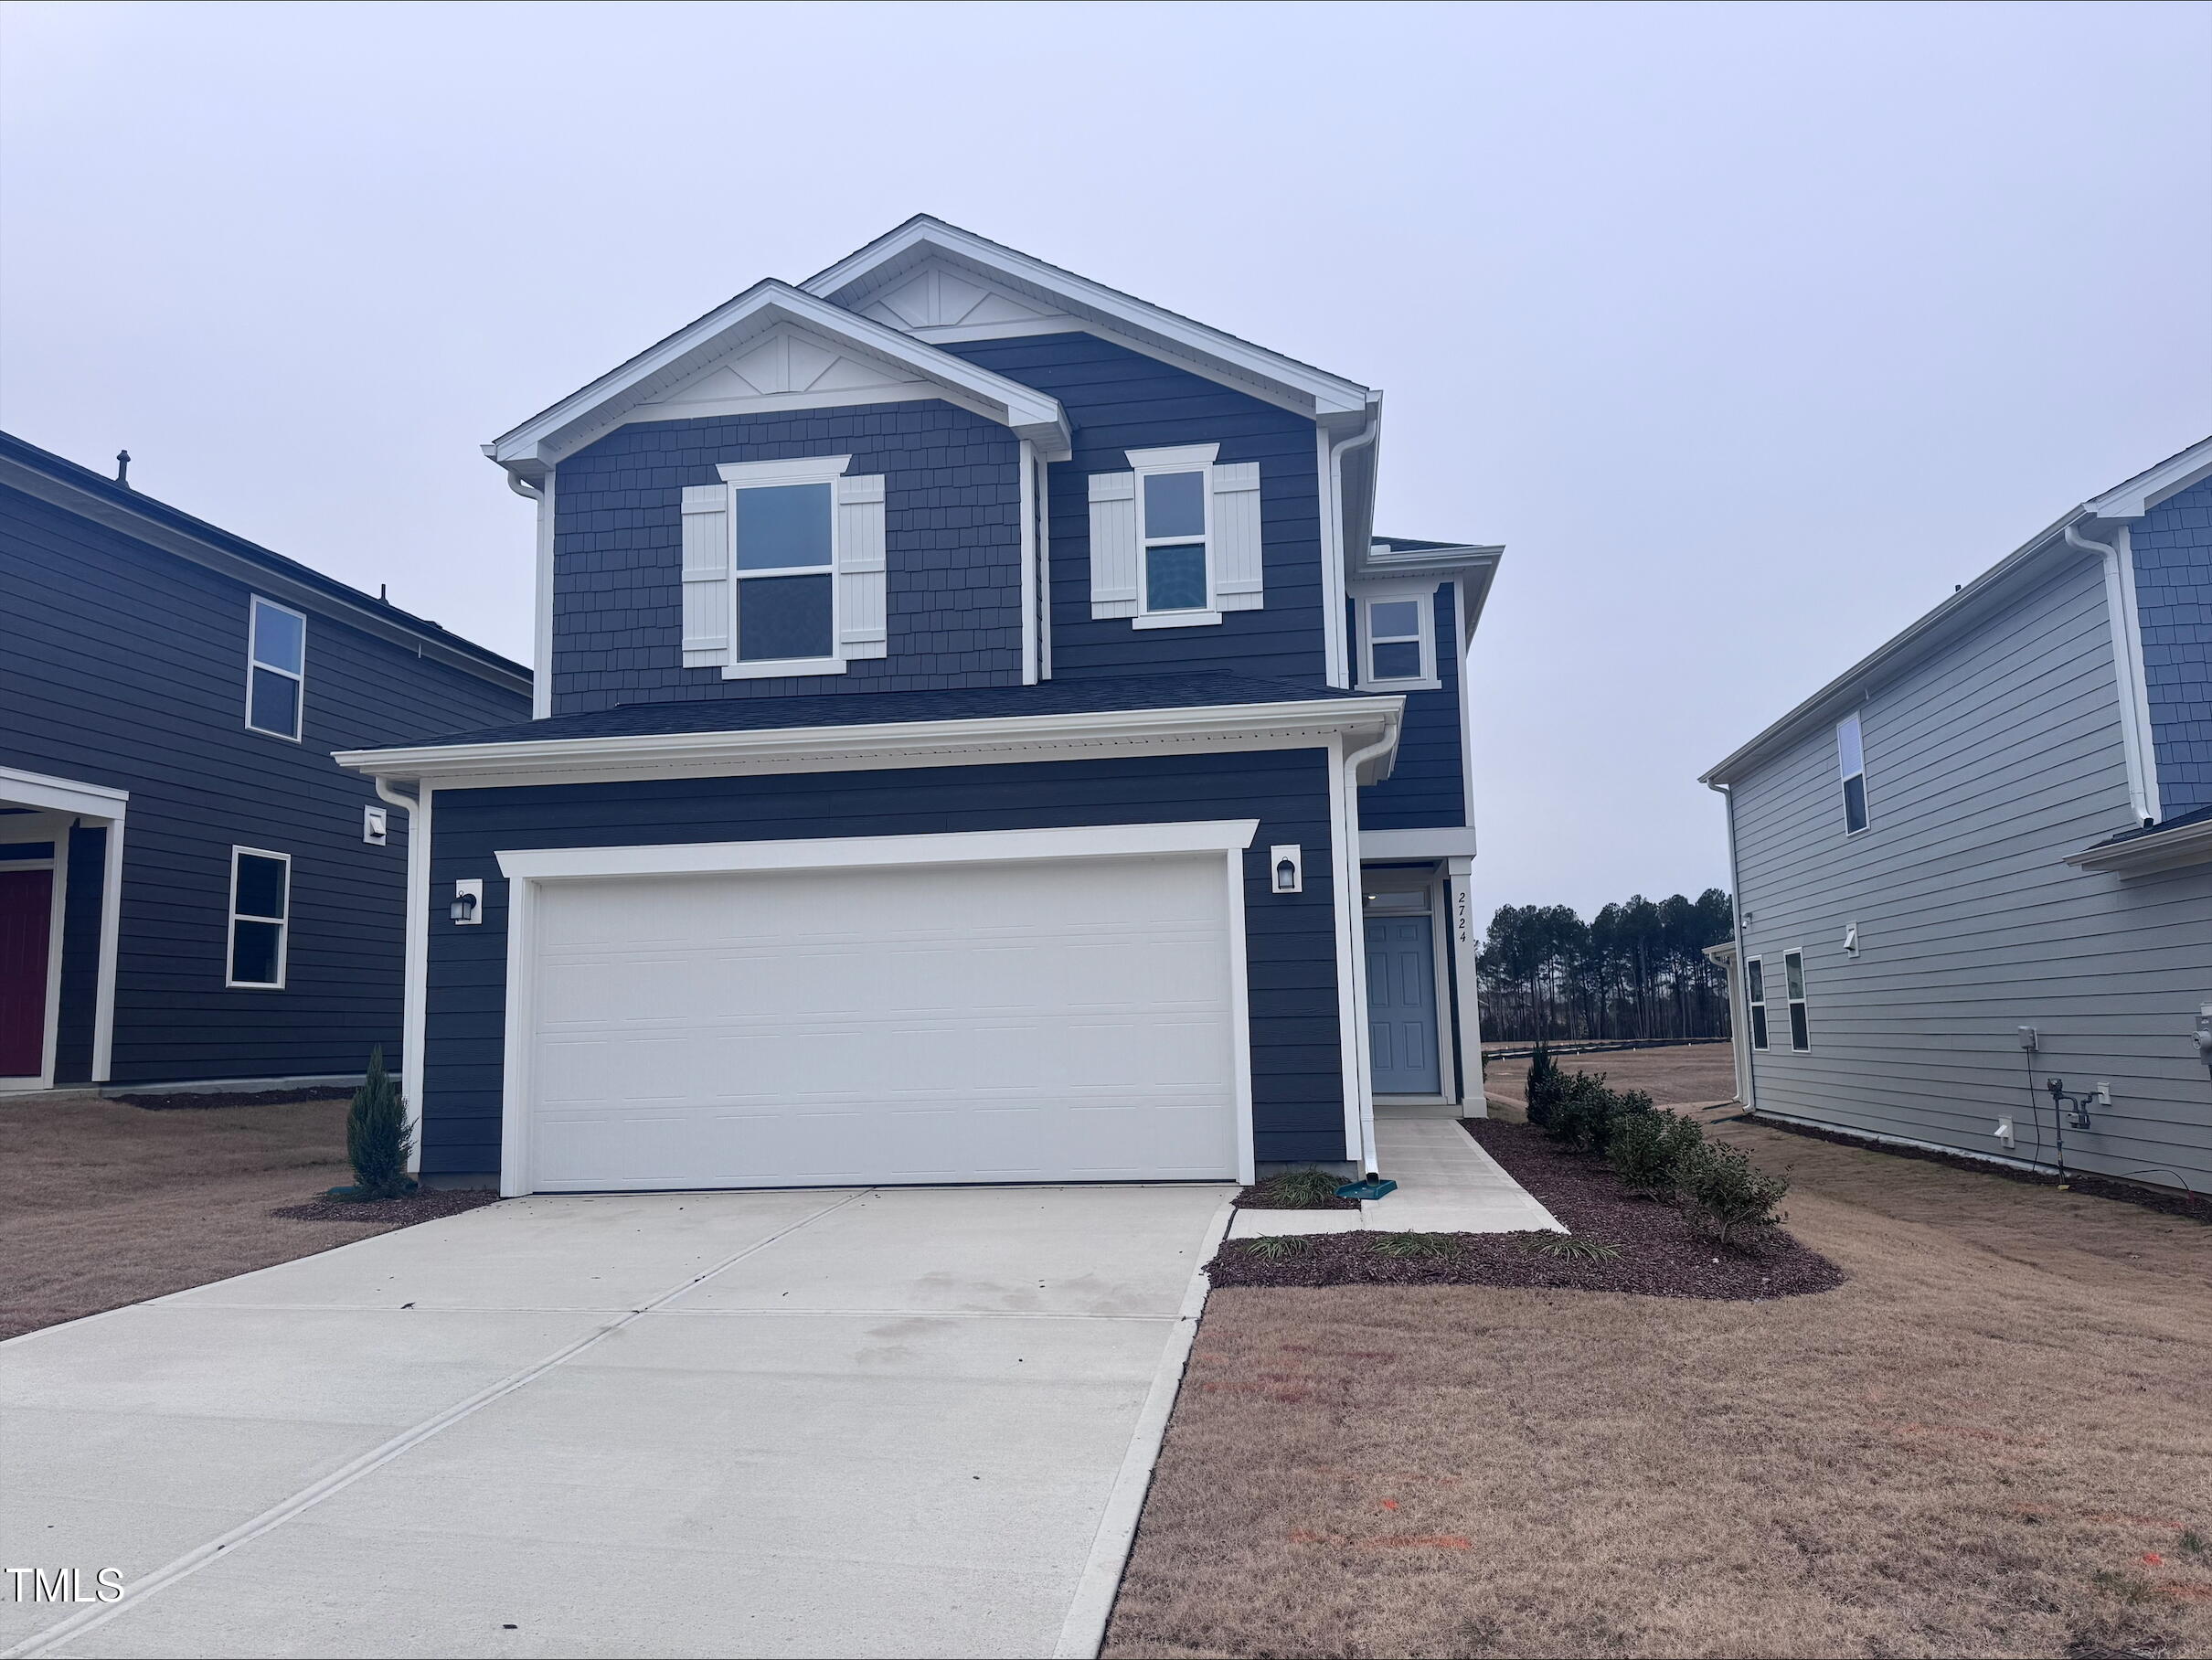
x=26, y=910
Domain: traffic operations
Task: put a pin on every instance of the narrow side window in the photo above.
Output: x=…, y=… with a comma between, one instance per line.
x=1794, y=966
x=1851, y=764
x=1755, y=995
x=260, y=918
x=276, y=669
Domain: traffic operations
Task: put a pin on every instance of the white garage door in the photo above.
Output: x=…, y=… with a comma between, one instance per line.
x=1060, y=1019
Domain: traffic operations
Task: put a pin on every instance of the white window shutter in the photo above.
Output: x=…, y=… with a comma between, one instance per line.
x=862, y=582
x=1237, y=575
x=1114, y=545
x=706, y=575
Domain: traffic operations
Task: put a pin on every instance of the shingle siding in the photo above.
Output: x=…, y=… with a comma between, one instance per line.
x=1291, y=940
x=1985, y=766
x=1427, y=783
x=952, y=534
x=1117, y=399
x=2173, y=548
x=124, y=665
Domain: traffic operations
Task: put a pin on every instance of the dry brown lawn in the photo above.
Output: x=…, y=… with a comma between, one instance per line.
x=104, y=1204
x=1690, y=1074
x=1994, y=1439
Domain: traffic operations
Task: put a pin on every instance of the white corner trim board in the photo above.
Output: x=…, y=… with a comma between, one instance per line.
x=847, y=852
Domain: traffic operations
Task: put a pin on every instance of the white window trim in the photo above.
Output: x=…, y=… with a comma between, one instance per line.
x=253, y=662
x=1428, y=679
x=283, y=926
x=1176, y=458
x=1751, y=1032
x=1796, y=1001
x=769, y=475
x=1843, y=779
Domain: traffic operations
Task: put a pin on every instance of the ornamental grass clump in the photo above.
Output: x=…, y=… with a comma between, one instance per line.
x=1726, y=1196
x=1297, y=1189
x=378, y=1140
x=1647, y=1149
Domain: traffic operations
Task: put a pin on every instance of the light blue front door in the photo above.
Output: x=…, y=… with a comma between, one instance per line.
x=1401, y=1005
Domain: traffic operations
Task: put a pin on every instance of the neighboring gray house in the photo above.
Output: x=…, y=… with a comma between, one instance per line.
x=1981, y=860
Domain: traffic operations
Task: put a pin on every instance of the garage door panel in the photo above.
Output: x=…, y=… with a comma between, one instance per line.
x=1051, y=1020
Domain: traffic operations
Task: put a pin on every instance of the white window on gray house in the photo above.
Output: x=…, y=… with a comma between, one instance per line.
x=1793, y=969
x=1851, y=763
x=1755, y=999
x=1175, y=542
x=260, y=918
x=783, y=568
x=276, y=669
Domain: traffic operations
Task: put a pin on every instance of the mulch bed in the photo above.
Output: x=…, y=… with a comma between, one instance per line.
x=426, y=1205
x=2194, y=1205
x=190, y=1100
x=1661, y=1254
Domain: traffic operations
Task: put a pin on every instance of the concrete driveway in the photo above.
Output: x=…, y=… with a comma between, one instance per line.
x=891, y=1422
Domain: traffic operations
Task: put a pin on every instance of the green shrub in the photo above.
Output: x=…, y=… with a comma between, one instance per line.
x=1296, y=1189
x=1728, y=1195
x=377, y=1139
x=1648, y=1148
x=1588, y=1114
x=1545, y=1084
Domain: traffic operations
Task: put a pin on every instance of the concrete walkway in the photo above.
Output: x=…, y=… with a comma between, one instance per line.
x=1446, y=1183
x=904, y=1421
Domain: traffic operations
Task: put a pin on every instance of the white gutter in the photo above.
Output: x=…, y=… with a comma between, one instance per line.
x=1335, y=552
x=2135, y=733
x=1360, y=1073
x=414, y=1009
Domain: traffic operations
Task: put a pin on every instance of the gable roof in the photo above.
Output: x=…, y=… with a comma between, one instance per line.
x=862, y=281
x=1967, y=608
x=539, y=444
x=93, y=496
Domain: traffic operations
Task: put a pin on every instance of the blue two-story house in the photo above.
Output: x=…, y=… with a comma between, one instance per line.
x=191, y=891
x=978, y=738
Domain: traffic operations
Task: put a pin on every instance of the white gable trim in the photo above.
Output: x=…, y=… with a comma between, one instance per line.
x=2139, y=494
x=887, y=264
x=540, y=443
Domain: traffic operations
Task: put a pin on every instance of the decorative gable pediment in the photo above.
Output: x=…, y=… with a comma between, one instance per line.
x=937, y=297
x=787, y=360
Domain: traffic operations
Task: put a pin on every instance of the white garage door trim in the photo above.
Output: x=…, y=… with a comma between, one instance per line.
x=529, y=871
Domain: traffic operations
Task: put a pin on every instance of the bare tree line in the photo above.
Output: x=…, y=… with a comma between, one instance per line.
x=1637, y=969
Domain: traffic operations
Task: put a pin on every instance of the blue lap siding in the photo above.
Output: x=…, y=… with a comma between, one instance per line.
x=2173, y=548
x=952, y=551
x=1117, y=399
x=1427, y=786
x=1291, y=940
x=124, y=664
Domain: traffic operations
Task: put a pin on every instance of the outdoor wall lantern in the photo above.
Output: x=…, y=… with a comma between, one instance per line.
x=1290, y=875
x=468, y=899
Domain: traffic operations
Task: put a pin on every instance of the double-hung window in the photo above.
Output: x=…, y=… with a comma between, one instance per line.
x=276, y=669
x=1755, y=996
x=786, y=604
x=1851, y=765
x=1176, y=572
x=260, y=918
x=1398, y=639
x=1793, y=968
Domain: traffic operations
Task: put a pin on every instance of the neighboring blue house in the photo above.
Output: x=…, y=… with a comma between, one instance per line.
x=190, y=890
x=1980, y=860
x=978, y=738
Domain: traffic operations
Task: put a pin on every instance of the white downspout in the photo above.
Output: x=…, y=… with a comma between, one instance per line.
x=414, y=1000
x=2127, y=671
x=1334, y=553
x=1362, y=1071
x=1740, y=1037
x=541, y=664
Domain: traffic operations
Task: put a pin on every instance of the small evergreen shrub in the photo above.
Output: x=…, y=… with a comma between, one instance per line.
x=1648, y=1148
x=377, y=1139
x=1728, y=1196
x=1545, y=1084
x=1588, y=1114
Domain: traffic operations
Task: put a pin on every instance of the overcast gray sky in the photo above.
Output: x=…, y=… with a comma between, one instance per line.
x=1750, y=330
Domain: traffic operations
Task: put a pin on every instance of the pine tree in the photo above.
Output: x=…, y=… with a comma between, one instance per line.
x=377, y=1139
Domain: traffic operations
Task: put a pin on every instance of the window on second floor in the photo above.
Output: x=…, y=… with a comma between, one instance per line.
x=1177, y=575
x=1851, y=764
x=1755, y=996
x=1793, y=968
x=1176, y=540
x=276, y=669
x=1397, y=640
x=785, y=605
